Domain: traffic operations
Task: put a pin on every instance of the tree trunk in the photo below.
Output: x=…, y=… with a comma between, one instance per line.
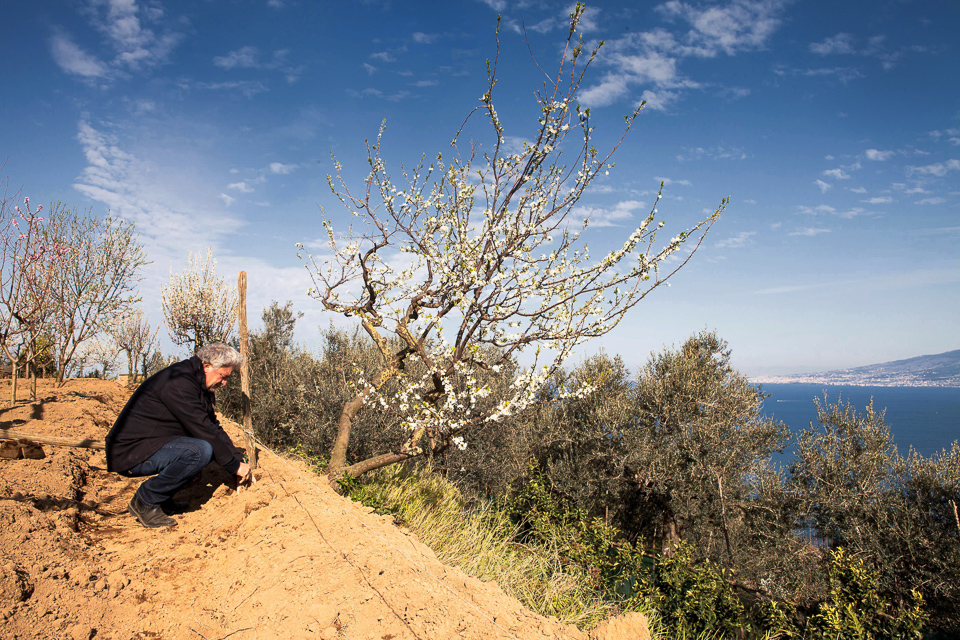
x=32, y=371
x=671, y=538
x=338, y=456
x=14, y=369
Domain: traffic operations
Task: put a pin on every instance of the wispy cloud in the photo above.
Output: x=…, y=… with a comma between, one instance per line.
x=667, y=181
x=138, y=37
x=740, y=240
x=838, y=174
x=140, y=192
x=874, y=47
x=825, y=209
x=425, y=38
x=842, y=43
x=73, y=59
x=249, y=57
x=712, y=153
x=809, y=231
x=242, y=187
x=283, y=169
x=609, y=217
x=651, y=59
x=937, y=170
x=824, y=186
x=879, y=156
x=879, y=200
x=931, y=201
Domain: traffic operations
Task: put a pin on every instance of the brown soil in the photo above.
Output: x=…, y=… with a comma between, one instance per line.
x=288, y=558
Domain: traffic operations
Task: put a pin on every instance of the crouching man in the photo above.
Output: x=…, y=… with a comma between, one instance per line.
x=168, y=430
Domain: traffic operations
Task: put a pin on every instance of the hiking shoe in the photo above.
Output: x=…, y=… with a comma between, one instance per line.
x=150, y=517
x=173, y=508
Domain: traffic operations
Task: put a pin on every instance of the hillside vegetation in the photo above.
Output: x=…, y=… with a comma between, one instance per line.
x=655, y=484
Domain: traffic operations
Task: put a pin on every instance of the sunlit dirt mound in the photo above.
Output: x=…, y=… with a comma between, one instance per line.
x=288, y=558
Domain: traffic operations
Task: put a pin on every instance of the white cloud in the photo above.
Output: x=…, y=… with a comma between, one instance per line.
x=611, y=88
x=667, y=181
x=283, y=169
x=496, y=5
x=857, y=189
x=823, y=208
x=370, y=68
x=739, y=26
x=873, y=154
x=383, y=56
x=659, y=100
x=938, y=170
x=248, y=88
x=740, y=240
x=608, y=217
x=227, y=200
x=248, y=57
x=242, y=58
x=824, y=186
x=879, y=200
x=652, y=58
x=931, y=201
x=73, y=59
x=242, y=187
x=126, y=27
x=424, y=38
x=150, y=196
x=809, y=231
x=841, y=43
x=839, y=174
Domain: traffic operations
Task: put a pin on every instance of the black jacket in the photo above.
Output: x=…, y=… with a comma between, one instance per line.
x=172, y=403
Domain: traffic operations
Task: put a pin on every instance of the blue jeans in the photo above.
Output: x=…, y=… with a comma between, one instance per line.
x=172, y=467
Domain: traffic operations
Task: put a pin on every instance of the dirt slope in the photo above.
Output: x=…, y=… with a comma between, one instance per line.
x=288, y=558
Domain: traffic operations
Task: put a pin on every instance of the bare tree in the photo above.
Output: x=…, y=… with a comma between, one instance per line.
x=199, y=307
x=135, y=337
x=95, y=282
x=491, y=266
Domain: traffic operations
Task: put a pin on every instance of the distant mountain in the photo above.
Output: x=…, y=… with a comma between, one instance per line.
x=941, y=370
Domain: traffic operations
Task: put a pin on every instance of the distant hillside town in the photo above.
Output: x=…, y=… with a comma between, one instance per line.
x=941, y=370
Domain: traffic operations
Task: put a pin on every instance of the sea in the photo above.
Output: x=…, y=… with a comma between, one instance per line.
x=925, y=418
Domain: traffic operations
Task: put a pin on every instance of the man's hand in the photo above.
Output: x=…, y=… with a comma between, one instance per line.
x=245, y=477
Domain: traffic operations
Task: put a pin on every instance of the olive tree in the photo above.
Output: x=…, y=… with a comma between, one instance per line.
x=479, y=258
x=199, y=307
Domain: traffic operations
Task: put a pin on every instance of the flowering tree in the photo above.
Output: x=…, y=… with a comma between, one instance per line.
x=134, y=336
x=492, y=266
x=94, y=284
x=199, y=307
x=28, y=259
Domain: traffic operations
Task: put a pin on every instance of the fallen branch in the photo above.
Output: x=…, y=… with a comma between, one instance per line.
x=87, y=443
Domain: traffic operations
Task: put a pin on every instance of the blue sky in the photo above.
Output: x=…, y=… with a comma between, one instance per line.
x=833, y=127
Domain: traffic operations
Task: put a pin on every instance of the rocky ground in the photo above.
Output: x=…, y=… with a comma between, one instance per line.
x=287, y=558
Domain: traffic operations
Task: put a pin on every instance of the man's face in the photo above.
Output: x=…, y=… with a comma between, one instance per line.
x=216, y=377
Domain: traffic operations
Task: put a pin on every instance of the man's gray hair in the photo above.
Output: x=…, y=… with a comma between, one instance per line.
x=219, y=355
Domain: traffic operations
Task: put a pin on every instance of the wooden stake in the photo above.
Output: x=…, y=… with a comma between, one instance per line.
x=245, y=371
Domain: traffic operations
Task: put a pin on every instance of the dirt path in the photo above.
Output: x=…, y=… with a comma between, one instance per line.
x=288, y=558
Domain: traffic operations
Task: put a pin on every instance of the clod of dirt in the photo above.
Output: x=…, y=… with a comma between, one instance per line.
x=15, y=585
